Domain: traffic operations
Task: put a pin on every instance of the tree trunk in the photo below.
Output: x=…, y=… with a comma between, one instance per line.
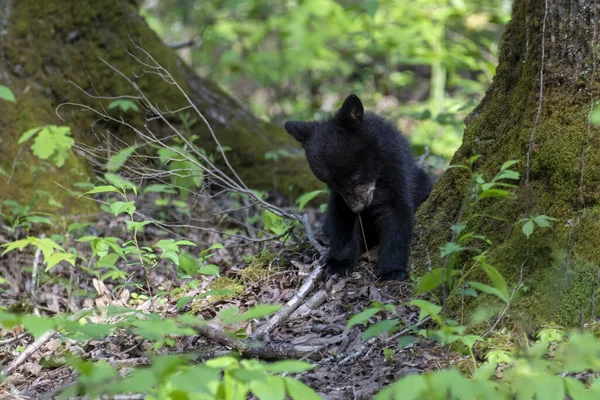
x=536, y=111
x=45, y=45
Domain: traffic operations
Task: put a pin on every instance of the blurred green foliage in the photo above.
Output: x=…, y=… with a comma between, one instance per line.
x=423, y=63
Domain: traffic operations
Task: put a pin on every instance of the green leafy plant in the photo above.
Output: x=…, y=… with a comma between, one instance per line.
x=51, y=142
x=7, y=94
x=123, y=105
x=52, y=251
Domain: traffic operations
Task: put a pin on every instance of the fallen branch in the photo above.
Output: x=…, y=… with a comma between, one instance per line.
x=252, y=348
x=13, y=339
x=314, y=302
x=311, y=237
x=35, y=346
x=290, y=306
x=306, y=287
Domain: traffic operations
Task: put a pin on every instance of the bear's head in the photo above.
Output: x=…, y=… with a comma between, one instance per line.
x=341, y=152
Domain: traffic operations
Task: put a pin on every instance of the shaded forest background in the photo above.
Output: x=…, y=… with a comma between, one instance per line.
x=424, y=64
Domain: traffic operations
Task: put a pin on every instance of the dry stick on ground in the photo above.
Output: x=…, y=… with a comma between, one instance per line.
x=13, y=339
x=250, y=348
x=306, y=287
x=33, y=347
x=291, y=305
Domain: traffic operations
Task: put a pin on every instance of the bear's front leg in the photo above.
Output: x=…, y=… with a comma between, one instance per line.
x=395, y=233
x=342, y=229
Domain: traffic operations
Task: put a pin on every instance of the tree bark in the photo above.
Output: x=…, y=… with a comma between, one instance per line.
x=536, y=111
x=46, y=45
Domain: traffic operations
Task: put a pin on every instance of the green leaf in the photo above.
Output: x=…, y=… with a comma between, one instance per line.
x=107, y=261
x=431, y=280
x=543, y=221
x=291, y=366
x=528, y=228
x=273, y=388
x=427, y=308
x=188, y=264
x=470, y=340
x=103, y=189
x=209, y=269
x=182, y=302
x=37, y=326
x=116, y=161
x=185, y=243
x=299, y=391
x=595, y=116
x=508, y=164
x=306, y=197
x=450, y=248
x=509, y=174
x=409, y=387
x=159, y=188
x=136, y=225
x=7, y=94
x=45, y=144
x=577, y=390
x=221, y=362
x=119, y=182
x=58, y=257
x=497, y=279
x=406, y=340
x=494, y=193
x=17, y=244
x=371, y=7
x=379, y=328
x=171, y=255
x=362, y=317
x=28, y=134
x=489, y=290
x=124, y=105
x=120, y=207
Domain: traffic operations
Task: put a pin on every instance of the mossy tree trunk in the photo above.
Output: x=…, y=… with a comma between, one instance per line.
x=45, y=45
x=536, y=111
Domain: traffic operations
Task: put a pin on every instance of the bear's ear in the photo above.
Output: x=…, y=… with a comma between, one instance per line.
x=351, y=112
x=299, y=129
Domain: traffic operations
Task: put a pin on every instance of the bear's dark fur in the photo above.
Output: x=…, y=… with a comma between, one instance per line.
x=370, y=171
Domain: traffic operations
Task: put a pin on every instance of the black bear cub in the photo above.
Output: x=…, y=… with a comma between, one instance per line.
x=370, y=171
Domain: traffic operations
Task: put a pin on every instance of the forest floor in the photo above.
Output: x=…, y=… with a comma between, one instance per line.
x=271, y=273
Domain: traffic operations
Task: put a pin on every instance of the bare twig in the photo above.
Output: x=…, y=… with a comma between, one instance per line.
x=314, y=302
x=36, y=267
x=291, y=305
x=35, y=346
x=251, y=348
x=311, y=237
x=540, y=101
x=13, y=339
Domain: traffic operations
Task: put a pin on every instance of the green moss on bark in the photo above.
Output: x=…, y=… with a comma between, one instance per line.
x=49, y=46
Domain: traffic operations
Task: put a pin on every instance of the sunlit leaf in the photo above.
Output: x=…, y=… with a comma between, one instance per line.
x=7, y=94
